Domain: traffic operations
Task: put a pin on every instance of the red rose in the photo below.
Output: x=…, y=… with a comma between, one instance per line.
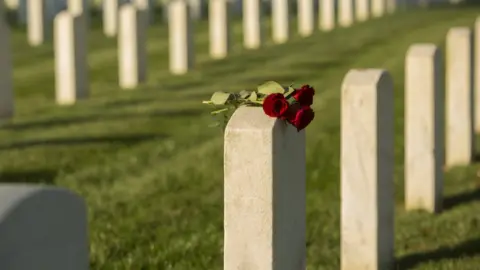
x=275, y=105
x=302, y=117
x=304, y=95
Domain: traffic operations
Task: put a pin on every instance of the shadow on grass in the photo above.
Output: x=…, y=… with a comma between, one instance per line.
x=462, y=198
x=121, y=139
x=467, y=249
x=44, y=176
x=99, y=117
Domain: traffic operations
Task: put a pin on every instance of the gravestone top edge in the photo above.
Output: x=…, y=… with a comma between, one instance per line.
x=459, y=31
x=11, y=195
x=422, y=49
x=364, y=77
x=251, y=118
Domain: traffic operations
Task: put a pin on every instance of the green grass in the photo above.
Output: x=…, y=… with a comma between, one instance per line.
x=151, y=171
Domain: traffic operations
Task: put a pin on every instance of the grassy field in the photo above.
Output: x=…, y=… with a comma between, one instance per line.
x=150, y=169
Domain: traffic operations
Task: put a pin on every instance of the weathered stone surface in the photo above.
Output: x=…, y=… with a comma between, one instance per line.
x=424, y=128
x=265, y=204
x=367, y=160
x=132, y=54
x=71, y=73
x=459, y=88
x=180, y=37
x=42, y=228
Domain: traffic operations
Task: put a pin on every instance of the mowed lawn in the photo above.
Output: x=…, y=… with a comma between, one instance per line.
x=150, y=168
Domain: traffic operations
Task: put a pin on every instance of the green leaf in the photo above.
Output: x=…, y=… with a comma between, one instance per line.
x=244, y=94
x=271, y=87
x=220, y=111
x=253, y=96
x=289, y=92
x=221, y=98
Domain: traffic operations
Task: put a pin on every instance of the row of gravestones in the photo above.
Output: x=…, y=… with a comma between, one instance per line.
x=274, y=184
x=71, y=33
x=40, y=12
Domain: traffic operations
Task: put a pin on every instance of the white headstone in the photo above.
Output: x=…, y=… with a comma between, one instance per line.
x=327, y=15
x=132, y=54
x=345, y=13
x=424, y=128
x=459, y=88
x=378, y=8
x=477, y=74
x=306, y=17
x=219, y=23
x=36, y=22
x=71, y=73
x=42, y=228
x=180, y=37
x=252, y=24
x=362, y=9
x=6, y=73
x=110, y=17
x=367, y=160
x=265, y=204
x=280, y=21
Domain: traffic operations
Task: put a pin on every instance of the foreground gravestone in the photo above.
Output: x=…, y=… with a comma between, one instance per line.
x=327, y=15
x=132, y=54
x=71, y=74
x=252, y=24
x=180, y=37
x=280, y=21
x=219, y=23
x=110, y=17
x=424, y=129
x=36, y=29
x=362, y=10
x=6, y=74
x=306, y=17
x=367, y=159
x=460, y=98
x=265, y=204
x=345, y=13
x=477, y=74
x=42, y=228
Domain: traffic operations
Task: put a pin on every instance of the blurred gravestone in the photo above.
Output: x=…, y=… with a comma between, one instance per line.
x=42, y=228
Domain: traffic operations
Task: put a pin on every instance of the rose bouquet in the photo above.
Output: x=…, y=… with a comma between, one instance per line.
x=286, y=103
